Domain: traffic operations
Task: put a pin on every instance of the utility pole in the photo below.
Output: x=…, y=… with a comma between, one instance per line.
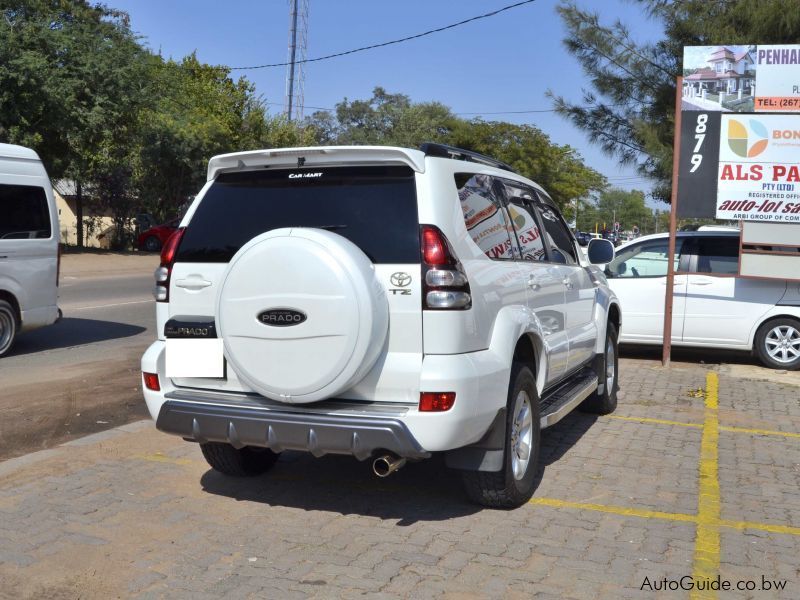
x=295, y=70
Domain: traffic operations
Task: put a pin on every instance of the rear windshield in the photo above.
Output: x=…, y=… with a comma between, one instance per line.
x=373, y=207
x=24, y=213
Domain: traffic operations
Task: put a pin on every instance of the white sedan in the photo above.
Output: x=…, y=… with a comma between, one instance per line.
x=712, y=306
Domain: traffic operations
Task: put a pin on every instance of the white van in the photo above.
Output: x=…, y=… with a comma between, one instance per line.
x=29, y=258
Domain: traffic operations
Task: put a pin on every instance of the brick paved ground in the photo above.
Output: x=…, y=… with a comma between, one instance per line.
x=135, y=513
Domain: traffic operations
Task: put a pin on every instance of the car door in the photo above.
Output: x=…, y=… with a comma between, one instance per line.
x=544, y=279
x=580, y=292
x=638, y=276
x=721, y=308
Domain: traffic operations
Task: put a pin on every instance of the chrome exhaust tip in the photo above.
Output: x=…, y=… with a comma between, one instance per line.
x=385, y=465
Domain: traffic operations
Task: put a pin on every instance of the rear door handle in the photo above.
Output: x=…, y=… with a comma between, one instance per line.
x=192, y=283
x=568, y=282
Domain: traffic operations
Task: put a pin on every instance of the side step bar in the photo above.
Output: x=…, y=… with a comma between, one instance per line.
x=559, y=402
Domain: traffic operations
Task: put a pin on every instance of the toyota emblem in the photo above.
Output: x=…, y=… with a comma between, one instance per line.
x=400, y=279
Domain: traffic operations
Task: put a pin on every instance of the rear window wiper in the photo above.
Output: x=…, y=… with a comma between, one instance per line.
x=327, y=227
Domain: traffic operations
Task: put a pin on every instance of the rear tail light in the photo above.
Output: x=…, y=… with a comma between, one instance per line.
x=436, y=401
x=163, y=272
x=151, y=381
x=444, y=285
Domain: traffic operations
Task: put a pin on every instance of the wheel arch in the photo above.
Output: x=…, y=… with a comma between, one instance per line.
x=12, y=300
x=771, y=316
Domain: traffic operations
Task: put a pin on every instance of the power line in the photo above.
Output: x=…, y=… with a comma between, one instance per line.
x=383, y=44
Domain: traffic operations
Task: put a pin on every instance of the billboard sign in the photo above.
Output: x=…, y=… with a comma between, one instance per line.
x=777, y=78
x=759, y=168
x=748, y=78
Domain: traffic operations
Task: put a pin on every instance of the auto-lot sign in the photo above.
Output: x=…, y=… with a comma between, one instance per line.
x=759, y=168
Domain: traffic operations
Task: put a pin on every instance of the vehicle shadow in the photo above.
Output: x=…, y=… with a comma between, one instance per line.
x=71, y=331
x=422, y=491
x=689, y=355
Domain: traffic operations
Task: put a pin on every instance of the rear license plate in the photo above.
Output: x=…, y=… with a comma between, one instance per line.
x=195, y=358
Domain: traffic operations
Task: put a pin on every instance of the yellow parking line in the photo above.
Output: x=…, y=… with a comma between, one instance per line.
x=656, y=421
x=700, y=426
x=163, y=458
x=742, y=525
x=666, y=516
x=615, y=510
x=706, y=541
x=760, y=432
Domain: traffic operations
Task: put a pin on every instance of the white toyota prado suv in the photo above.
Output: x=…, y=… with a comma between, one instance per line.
x=379, y=302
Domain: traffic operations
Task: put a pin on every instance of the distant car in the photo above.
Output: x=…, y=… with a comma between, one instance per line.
x=153, y=239
x=583, y=237
x=721, y=311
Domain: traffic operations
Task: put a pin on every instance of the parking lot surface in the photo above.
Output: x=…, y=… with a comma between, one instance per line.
x=696, y=476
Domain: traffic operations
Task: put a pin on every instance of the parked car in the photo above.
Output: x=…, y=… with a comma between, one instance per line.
x=383, y=303
x=29, y=256
x=712, y=306
x=583, y=237
x=153, y=239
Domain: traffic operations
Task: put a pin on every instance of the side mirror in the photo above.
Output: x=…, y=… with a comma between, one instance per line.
x=600, y=252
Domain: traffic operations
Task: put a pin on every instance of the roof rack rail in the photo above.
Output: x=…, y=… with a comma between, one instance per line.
x=445, y=151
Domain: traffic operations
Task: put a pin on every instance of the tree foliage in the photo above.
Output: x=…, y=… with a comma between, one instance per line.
x=135, y=130
x=393, y=119
x=629, y=109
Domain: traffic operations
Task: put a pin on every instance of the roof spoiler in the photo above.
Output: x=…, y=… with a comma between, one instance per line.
x=317, y=156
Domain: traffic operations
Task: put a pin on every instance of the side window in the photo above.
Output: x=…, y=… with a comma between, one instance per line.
x=648, y=259
x=521, y=211
x=24, y=212
x=718, y=255
x=557, y=238
x=485, y=216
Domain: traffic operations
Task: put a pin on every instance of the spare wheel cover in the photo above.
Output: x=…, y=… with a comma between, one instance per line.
x=301, y=314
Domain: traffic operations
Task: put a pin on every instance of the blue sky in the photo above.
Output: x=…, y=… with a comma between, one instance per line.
x=504, y=63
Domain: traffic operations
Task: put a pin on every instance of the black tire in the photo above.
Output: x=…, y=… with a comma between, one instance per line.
x=246, y=462
x=9, y=324
x=782, y=337
x=503, y=489
x=606, y=403
x=152, y=244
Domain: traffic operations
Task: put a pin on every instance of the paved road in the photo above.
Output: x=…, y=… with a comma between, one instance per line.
x=696, y=474
x=82, y=374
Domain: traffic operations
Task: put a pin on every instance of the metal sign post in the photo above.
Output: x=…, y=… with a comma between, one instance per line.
x=673, y=226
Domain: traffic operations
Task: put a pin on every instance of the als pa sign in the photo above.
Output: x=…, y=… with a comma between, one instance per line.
x=758, y=174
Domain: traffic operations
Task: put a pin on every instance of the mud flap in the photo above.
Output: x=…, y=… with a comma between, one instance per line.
x=484, y=455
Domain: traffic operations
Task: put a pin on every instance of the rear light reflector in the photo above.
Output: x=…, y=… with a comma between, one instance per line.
x=436, y=401
x=151, y=381
x=163, y=272
x=447, y=299
x=440, y=277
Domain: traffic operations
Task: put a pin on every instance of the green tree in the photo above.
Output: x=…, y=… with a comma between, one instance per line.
x=629, y=110
x=70, y=83
x=393, y=119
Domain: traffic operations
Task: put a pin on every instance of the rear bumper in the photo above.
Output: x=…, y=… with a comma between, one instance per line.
x=320, y=433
